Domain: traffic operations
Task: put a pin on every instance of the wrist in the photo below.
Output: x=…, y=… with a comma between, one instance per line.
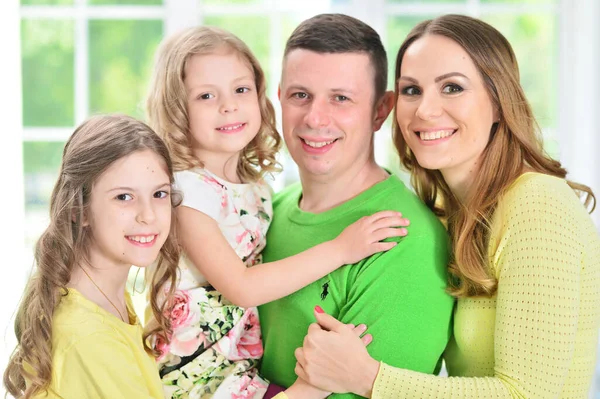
x=368, y=377
x=335, y=252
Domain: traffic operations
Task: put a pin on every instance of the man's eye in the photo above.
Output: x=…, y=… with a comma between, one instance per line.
x=452, y=88
x=206, y=96
x=341, y=98
x=300, y=95
x=161, y=194
x=124, y=197
x=410, y=91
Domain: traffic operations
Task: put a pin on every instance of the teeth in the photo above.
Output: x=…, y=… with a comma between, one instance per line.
x=142, y=239
x=318, y=144
x=435, y=135
x=230, y=127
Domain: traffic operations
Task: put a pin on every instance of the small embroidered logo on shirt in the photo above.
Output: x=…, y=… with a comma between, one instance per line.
x=325, y=291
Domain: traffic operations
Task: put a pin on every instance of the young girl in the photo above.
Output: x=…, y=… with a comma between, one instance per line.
x=78, y=335
x=208, y=102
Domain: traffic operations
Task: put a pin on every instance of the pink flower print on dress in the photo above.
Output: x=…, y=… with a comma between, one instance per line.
x=248, y=388
x=160, y=344
x=187, y=340
x=244, y=340
x=180, y=313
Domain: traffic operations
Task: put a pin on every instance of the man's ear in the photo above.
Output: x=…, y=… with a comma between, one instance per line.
x=279, y=92
x=383, y=109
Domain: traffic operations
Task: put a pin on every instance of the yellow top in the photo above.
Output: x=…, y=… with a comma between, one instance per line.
x=537, y=337
x=97, y=355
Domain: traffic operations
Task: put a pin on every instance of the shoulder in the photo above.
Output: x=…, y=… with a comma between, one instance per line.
x=535, y=195
x=423, y=222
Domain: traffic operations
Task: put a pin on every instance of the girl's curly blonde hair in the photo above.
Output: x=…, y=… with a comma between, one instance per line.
x=166, y=105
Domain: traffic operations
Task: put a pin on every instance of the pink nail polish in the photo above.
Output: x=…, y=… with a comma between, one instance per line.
x=318, y=309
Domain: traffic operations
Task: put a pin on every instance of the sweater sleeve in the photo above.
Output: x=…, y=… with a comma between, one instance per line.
x=101, y=366
x=538, y=262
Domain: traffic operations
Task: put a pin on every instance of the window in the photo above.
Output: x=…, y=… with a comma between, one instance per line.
x=81, y=57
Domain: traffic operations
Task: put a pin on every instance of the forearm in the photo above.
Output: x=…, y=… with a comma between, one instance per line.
x=396, y=383
x=274, y=280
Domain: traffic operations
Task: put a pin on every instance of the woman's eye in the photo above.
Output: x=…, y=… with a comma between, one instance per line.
x=206, y=96
x=161, y=194
x=124, y=197
x=410, y=91
x=452, y=89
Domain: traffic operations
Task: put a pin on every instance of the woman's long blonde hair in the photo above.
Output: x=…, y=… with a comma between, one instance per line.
x=167, y=110
x=515, y=145
x=94, y=146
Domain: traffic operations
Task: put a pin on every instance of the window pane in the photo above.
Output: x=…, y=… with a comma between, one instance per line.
x=254, y=31
x=534, y=39
x=46, y=2
x=48, y=75
x=121, y=56
x=41, y=162
x=126, y=2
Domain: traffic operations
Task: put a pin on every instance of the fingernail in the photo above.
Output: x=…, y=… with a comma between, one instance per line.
x=403, y=231
x=318, y=309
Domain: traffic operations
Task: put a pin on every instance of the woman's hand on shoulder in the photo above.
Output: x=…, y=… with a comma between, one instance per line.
x=334, y=357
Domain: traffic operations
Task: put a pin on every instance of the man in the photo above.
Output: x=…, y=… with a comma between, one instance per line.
x=333, y=98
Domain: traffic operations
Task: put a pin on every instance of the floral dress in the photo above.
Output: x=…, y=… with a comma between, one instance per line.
x=215, y=345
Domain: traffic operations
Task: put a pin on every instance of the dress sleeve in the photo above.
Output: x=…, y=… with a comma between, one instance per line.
x=102, y=366
x=201, y=192
x=538, y=263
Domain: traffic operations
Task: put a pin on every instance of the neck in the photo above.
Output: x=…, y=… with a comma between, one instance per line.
x=321, y=193
x=105, y=287
x=223, y=165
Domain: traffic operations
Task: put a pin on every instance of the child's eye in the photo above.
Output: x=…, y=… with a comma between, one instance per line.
x=161, y=194
x=124, y=197
x=241, y=90
x=452, y=88
x=410, y=91
x=206, y=96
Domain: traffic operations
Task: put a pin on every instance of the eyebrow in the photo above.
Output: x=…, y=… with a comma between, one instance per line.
x=241, y=78
x=439, y=78
x=334, y=90
x=131, y=189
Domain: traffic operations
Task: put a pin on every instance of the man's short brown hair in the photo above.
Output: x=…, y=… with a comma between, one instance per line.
x=339, y=33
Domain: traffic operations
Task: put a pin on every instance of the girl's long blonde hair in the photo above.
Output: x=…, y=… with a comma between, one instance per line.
x=94, y=146
x=515, y=145
x=166, y=105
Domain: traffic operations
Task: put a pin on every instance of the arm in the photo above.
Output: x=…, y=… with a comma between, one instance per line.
x=536, y=322
x=102, y=366
x=210, y=252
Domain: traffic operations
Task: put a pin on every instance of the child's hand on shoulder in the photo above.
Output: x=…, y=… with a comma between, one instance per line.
x=364, y=237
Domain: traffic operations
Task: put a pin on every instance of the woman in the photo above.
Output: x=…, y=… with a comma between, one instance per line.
x=526, y=264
